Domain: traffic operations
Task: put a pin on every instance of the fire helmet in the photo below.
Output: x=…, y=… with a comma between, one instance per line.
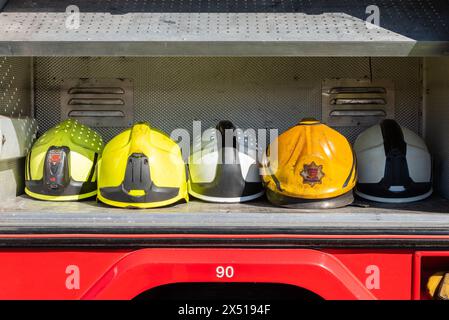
x=62, y=163
x=223, y=167
x=142, y=168
x=394, y=164
x=310, y=166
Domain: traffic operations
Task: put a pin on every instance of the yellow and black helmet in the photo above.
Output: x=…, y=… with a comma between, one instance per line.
x=142, y=168
x=61, y=165
x=310, y=166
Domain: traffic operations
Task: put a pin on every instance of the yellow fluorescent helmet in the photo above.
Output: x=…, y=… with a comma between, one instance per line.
x=62, y=163
x=310, y=166
x=141, y=168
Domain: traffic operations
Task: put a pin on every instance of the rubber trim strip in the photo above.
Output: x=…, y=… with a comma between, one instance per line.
x=94, y=167
x=354, y=161
x=134, y=230
x=261, y=243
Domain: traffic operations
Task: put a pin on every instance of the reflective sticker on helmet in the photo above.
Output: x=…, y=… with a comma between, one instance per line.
x=55, y=157
x=312, y=174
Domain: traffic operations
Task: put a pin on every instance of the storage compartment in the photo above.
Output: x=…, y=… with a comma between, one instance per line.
x=260, y=64
x=428, y=264
x=259, y=93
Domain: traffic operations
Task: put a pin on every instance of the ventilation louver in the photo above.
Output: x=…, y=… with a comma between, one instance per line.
x=350, y=102
x=98, y=102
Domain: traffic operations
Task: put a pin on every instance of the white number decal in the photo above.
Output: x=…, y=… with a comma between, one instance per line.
x=227, y=272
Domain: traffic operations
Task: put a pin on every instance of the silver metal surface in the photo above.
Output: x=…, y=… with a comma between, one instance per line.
x=436, y=119
x=355, y=102
x=16, y=136
x=98, y=102
x=262, y=92
x=25, y=212
x=15, y=85
x=15, y=102
x=223, y=28
x=12, y=178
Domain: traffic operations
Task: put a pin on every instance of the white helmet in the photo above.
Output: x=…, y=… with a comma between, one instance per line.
x=394, y=165
x=223, y=167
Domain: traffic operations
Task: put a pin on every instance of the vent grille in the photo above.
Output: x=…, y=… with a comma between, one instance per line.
x=351, y=102
x=98, y=102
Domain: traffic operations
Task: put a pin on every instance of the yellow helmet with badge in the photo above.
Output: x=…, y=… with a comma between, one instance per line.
x=310, y=166
x=142, y=168
x=62, y=163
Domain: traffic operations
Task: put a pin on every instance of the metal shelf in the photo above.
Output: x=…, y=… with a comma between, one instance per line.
x=24, y=214
x=224, y=28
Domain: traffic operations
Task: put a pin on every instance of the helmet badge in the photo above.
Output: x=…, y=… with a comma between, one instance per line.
x=312, y=174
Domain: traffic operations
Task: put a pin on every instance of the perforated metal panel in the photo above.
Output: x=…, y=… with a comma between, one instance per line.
x=201, y=27
x=15, y=86
x=15, y=101
x=171, y=93
x=437, y=120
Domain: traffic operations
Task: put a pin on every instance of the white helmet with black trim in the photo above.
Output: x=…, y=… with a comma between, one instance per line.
x=394, y=164
x=223, y=167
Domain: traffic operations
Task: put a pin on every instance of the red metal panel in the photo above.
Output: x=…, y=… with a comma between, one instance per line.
x=387, y=274
x=313, y=270
x=332, y=274
x=44, y=274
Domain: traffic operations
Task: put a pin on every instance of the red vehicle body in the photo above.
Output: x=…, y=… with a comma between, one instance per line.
x=102, y=273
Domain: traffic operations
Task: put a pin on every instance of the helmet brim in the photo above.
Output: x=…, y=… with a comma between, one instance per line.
x=300, y=203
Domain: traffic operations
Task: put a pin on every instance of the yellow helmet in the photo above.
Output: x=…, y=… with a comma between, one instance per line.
x=62, y=163
x=438, y=286
x=310, y=166
x=141, y=168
